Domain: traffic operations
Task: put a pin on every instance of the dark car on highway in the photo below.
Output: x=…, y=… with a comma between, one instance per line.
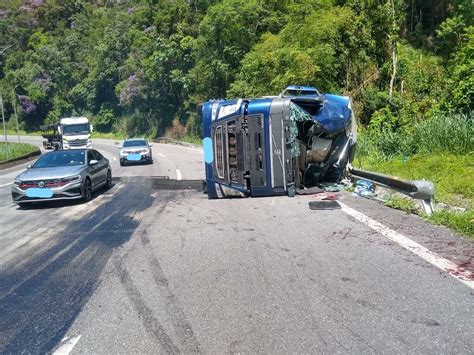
x=63, y=175
x=136, y=150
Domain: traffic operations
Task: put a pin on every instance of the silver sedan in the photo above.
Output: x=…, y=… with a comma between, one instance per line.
x=63, y=175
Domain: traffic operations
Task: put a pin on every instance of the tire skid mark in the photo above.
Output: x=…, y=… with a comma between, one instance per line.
x=188, y=342
x=180, y=323
x=145, y=313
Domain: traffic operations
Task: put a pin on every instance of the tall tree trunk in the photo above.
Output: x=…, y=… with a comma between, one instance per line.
x=393, y=41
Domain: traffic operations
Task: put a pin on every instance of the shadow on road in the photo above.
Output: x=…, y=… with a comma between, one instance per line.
x=42, y=293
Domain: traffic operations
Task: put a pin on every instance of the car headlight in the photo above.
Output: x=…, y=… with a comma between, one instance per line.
x=17, y=182
x=145, y=151
x=122, y=152
x=75, y=178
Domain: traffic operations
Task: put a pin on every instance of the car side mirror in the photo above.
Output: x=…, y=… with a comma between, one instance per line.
x=150, y=145
x=119, y=147
x=93, y=162
x=29, y=166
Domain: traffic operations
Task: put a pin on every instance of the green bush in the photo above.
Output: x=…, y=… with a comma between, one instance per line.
x=452, y=133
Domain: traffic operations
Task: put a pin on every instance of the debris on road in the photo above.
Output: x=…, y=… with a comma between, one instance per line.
x=364, y=188
x=309, y=191
x=324, y=205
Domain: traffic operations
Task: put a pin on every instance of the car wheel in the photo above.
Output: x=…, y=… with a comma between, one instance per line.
x=108, y=183
x=87, y=190
x=22, y=204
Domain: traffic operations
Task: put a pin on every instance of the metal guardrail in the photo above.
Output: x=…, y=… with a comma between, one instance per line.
x=174, y=141
x=417, y=189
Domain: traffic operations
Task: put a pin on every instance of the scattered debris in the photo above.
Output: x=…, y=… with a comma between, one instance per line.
x=364, y=188
x=324, y=205
x=309, y=191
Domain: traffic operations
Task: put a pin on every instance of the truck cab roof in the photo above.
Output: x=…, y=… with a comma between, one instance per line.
x=74, y=120
x=298, y=90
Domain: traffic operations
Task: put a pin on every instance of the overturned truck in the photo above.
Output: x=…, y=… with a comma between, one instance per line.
x=276, y=145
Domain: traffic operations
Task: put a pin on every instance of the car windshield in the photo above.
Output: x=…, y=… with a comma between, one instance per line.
x=135, y=143
x=82, y=128
x=61, y=158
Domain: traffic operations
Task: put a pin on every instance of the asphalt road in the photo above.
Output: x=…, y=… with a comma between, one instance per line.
x=153, y=266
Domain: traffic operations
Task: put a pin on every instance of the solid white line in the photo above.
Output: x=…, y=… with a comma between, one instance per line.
x=161, y=155
x=6, y=184
x=465, y=276
x=67, y=347
x=178, y=175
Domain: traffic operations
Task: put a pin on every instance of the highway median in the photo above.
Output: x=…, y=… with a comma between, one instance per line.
x=12, y=154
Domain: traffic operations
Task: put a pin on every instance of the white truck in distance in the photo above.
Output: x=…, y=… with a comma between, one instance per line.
x=70, y=133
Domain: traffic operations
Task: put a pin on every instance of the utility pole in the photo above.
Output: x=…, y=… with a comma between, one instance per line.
x=4, y=126
x=16, y=115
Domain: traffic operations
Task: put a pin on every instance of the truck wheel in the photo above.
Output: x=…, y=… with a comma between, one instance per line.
x=87, y=190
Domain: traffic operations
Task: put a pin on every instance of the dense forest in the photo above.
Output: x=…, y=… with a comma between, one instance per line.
x=141, y=67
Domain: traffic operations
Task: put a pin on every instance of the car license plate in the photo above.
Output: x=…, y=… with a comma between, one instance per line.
x=39, y=192
x=134, y=157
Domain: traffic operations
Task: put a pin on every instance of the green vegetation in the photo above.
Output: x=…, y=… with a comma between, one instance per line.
x=439, y=149
x=462, y=222
x=15, y=150
x=402, y=203
x=137, y=67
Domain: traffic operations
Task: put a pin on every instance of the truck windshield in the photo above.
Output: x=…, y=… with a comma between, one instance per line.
x=61, y=158
x=300, y=92
x=81, y=128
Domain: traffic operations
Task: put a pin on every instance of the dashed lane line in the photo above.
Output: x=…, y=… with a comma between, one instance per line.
x=461, y=274
x=178, y=175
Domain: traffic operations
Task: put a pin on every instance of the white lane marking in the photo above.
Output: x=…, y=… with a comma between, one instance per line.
x=115, y=159
x=465, y=276
x=178, y=175
x=6, y=184
x=161, y=155
x=67, y=347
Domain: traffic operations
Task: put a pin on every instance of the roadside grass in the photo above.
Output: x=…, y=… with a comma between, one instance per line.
x=14, y=150
x=452, y=175
x=463, y=222
x=404, y=204
x=192, y=139
x=21, y=132
x=110, y=135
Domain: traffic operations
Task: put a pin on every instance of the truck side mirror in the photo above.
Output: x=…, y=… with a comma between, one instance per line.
x=91, y=127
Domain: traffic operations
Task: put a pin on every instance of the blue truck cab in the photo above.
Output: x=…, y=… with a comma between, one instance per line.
x=276, y=145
